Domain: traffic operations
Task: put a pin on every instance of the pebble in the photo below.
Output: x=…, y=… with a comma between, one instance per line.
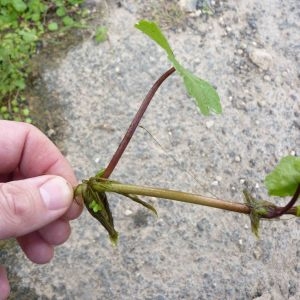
x=128, y=212
x=242, y=180
x=261, y=103
x=261, y=58
x=209, y=124
x=237, y=158
x=215, y=183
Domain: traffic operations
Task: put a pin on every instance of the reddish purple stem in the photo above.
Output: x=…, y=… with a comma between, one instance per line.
x=135, y=122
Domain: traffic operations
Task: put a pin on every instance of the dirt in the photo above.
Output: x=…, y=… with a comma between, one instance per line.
x=249, y=50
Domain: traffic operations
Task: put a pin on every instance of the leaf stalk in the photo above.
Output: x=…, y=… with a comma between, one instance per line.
x=134, y=124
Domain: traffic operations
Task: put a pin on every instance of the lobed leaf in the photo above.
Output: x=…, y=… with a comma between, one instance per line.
x=204, y=93
x=153, y=31
x=285, y=178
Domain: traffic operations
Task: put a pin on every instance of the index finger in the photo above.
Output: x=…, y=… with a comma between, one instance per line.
x=25, y=149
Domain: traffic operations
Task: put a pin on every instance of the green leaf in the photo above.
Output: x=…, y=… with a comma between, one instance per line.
x=101, y=34
x=68, y=21
x=285, y=178
x=35, y=17
x=153, y=31
x=20, y=83
x=26, y=112
x=53, y=26
x=204, y=93
x=19, y=5
x=61, y=11
x=28, y=36
x=95, y=206
x=298, y=211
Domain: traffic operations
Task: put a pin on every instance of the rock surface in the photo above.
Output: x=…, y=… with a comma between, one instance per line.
x=261, y=58
x=188, y=252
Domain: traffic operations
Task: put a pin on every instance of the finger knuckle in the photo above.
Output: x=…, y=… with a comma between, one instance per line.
x=15, y=209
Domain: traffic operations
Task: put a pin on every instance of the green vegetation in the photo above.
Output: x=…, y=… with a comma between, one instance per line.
x=101, y=34
x=23, y=24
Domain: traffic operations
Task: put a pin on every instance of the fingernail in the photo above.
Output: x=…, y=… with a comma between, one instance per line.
x=56, y=193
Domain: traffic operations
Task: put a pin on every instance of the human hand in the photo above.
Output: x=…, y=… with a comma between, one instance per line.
x=35, y=194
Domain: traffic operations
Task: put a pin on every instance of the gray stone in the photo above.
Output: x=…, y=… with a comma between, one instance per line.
x=261, y=58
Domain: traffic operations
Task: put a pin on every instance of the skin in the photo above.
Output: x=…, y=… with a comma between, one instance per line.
x=29, y=160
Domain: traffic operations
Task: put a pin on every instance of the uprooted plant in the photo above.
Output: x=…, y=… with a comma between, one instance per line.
x=283, y=181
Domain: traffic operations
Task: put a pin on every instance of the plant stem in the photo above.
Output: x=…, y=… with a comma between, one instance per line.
x=120, y=188
x=282, y=210
x=135, y=122
x=171, y=195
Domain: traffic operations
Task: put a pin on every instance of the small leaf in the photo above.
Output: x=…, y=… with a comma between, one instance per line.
x=28, y=120
x=101, y=34
x=35, y=17
x=61, y=11
x=153, y=31
x=28, y=36
x=204, y=93
x=53, y=26
x=20, y=83
x=19, y=5
x=100, y=173
x=26, y=112
x=285, y=178
x=95, y=206
x=68, y=21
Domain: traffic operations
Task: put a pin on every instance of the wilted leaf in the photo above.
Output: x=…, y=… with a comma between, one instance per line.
x=136, y=199
x=97, y=205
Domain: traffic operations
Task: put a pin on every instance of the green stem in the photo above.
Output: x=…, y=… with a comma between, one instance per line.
x=120, y=188
x=171, y=195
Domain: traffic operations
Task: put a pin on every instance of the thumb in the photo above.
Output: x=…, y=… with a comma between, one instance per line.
x=27, y=205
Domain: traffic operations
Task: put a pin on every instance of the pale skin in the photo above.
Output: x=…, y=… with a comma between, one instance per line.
x=36, y=196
